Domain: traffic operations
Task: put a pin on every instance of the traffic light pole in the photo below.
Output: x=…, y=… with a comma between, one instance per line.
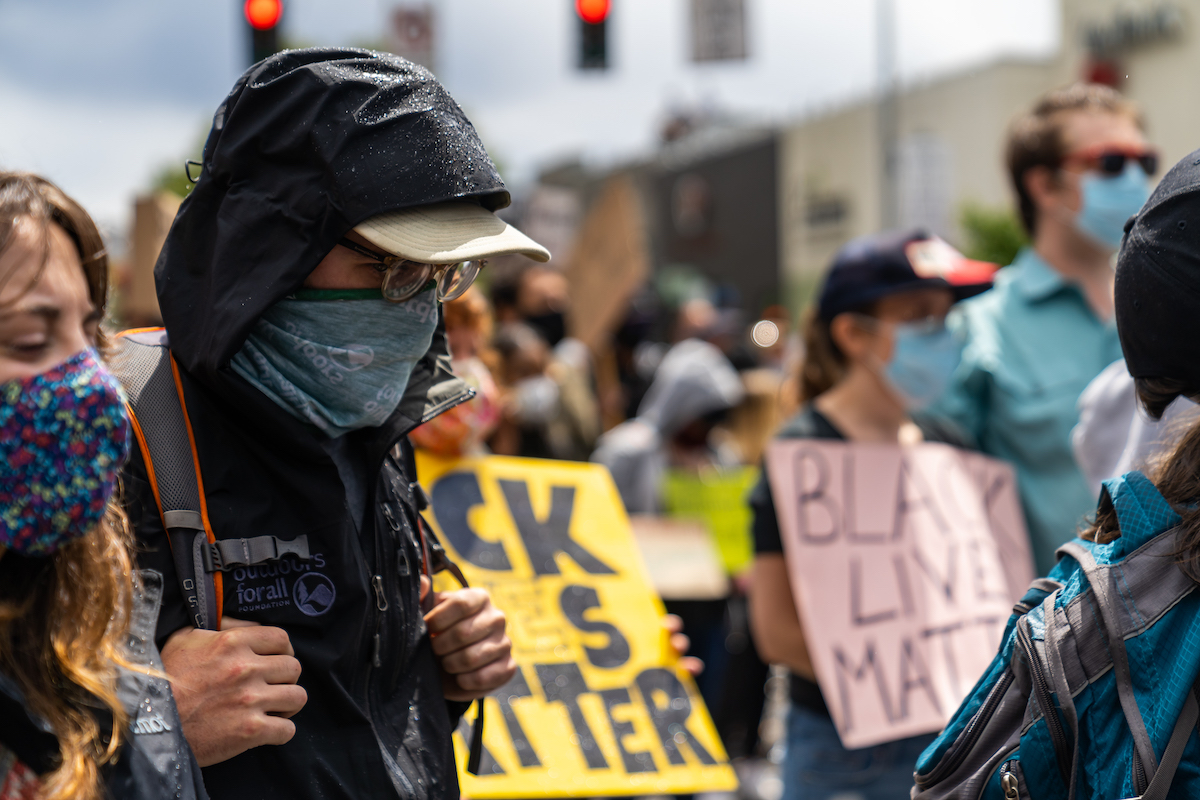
x=263, y=43
x=262, y=19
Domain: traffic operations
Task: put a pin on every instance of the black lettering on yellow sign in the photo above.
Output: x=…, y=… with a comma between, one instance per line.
x=634, y=762
x=595, y=704
x=545, y=540
x=563, y=683
x=456, y=493
x=453, y=497
x=575, y=602
x=669, y=706
x=662, y=694
x=515, y=690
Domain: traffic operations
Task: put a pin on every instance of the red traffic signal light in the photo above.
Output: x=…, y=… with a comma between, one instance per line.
x=593, y=12
x=263, y=14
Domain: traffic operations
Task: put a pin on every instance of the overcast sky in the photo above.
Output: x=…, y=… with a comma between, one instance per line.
x=98, y=96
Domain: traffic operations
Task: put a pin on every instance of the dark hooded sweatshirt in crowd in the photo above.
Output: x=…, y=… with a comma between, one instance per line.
x=308, y=144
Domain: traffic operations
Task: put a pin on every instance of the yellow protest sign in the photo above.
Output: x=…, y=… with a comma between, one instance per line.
x=599, y=706
x=717, y=497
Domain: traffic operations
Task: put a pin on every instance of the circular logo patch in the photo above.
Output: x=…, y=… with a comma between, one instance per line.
x=313, y=593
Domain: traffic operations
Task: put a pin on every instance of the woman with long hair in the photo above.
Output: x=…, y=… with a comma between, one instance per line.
x=877, y=353
x=84, y=711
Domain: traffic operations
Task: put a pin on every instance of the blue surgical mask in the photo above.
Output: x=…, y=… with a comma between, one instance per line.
x=1109, y=201
x=340, y=364
x=924, y=357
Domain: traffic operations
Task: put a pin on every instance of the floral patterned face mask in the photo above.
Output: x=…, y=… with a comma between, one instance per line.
x=64, y=435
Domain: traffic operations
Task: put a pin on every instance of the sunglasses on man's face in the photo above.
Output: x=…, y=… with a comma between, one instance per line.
x=1110, y=160
x=404, y=279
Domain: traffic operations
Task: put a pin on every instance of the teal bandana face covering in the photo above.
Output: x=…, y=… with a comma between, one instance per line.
x=339, y=360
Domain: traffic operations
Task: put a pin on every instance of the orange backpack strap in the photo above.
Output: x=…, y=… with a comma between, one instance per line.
x=142, y=362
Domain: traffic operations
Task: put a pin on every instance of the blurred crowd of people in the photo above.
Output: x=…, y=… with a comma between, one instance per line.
x=296, y=424
x=691, y=384
x=1027, y=368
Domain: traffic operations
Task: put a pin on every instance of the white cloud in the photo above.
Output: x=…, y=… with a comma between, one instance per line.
x=98, y=95
x=101, y=152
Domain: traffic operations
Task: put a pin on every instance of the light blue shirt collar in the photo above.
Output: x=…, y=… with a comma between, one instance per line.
x=1035, y=279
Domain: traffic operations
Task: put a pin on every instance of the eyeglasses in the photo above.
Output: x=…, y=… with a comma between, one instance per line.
x=404, y=279
x=1110, y=159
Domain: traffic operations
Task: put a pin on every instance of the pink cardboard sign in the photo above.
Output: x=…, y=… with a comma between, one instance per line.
x=905, y=563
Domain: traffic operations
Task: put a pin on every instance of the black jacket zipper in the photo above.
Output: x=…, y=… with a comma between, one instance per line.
x=1045, y=700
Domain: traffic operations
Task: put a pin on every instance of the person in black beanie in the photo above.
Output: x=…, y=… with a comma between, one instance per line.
x=1132, y=578
x=1158, y=284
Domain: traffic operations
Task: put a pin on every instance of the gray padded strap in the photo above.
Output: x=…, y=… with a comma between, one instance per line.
x=1152, y=575
x=1161, y=782
x=142, y=362
x=1102, y=589
x=228, y=553
x=184, y=519
x=1056, y=626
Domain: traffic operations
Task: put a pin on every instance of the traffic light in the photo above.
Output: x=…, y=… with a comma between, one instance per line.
x=593, y=37
x=263, y=17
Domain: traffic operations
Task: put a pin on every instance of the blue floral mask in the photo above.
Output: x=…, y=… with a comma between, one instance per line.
x=64, y=435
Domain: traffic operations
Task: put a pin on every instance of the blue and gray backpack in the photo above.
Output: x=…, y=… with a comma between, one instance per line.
x=1092, y=693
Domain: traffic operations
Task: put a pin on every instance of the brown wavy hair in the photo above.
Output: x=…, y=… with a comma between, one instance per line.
x=64, y=619
x=1177, y=476
x=1035, y=138
x=824, y=363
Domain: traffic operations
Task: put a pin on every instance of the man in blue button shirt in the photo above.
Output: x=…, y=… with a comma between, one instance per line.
x=1080, y=166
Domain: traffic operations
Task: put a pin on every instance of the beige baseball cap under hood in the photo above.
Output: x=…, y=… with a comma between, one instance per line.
x=447, y=233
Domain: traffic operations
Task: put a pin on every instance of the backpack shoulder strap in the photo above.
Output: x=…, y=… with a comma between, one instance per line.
x=142, y=362
x=1109, y=600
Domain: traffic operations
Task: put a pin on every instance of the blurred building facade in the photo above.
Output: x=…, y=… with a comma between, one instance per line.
x=946, y=135
x=713, y=200
x=707, y=202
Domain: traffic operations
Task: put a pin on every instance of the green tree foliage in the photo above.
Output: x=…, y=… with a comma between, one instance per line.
x=173, y=178
x=991, y=234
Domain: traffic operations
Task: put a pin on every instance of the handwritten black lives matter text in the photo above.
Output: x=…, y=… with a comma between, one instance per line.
x=919, y=549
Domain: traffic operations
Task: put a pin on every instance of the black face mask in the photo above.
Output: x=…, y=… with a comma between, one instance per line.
x=552, y=326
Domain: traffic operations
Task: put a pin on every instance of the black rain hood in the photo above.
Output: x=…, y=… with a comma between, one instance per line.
x=308, y=144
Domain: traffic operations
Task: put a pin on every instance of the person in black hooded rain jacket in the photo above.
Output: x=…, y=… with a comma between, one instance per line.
x=299, y=286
